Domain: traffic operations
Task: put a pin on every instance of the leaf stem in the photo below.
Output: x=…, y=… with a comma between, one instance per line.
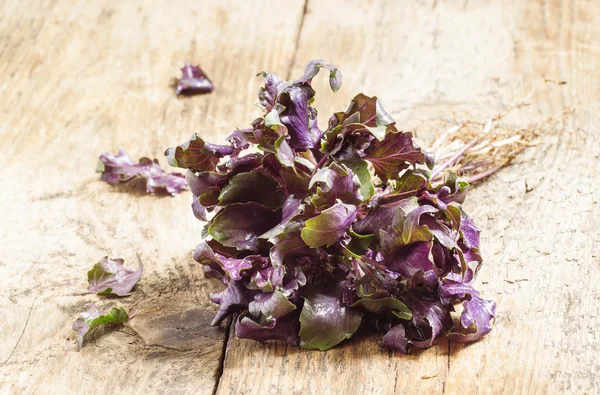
x=320, y=163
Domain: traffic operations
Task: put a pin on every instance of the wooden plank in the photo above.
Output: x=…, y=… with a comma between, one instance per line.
x=80, y=78
x=430, y=61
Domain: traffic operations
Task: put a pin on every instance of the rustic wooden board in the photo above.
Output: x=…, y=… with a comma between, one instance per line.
x=79, y=78
x=83, y=77
x=540, y=217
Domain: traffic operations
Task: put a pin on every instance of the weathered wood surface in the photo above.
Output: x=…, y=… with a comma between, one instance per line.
x=79, y=78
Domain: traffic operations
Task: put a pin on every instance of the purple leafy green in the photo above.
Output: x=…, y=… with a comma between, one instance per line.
x=320, y=231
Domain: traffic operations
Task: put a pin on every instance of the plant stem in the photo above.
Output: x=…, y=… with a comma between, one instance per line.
x=483, y=175
x=320, y=163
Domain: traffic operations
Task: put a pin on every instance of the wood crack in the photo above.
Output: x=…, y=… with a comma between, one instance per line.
x=297, y=43
x=447, y=369
x=230, y=327
x=22, y=332
x=221, y=367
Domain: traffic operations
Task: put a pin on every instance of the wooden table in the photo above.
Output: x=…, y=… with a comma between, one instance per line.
x=80, y=77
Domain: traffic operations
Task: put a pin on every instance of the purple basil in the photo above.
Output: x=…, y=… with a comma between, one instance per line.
x=320, y=231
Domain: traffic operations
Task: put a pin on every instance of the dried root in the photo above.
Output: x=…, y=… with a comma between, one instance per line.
x=476, y=150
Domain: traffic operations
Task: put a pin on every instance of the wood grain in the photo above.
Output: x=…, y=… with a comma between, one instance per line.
x=80, y=78
x=434, y=60
x=83, y=77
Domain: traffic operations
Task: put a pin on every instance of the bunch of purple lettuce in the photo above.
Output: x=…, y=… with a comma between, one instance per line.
x=324, y=230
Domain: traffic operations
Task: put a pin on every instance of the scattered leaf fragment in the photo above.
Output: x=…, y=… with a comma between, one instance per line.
x=109, y=277
x=193, y=81
x=93, y=318
x=121, y=168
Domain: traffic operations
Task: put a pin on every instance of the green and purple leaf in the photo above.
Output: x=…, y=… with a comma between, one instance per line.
x=324, y=322
x=93, y=318
x=329, y=226
x=239, y=225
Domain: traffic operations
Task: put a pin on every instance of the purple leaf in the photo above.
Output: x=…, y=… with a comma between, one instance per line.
x=329, y=226
x=367, y=111
x=108, y=276
x=288, y=244
x=193, y=81
x=299, y=117
x=121, y=168
x=253, y=186
x=469, y=232
x=382, y=305
x=270, y=305
x=356, y=129
x=283, y=328
x=452, y=289
x=241, y=164
x=445, y=235
x=200, y=212
x=198, y=155
x=333, y=183
x=411, y=259
x=205, y=256
x=475, y=320
x=411, y=183
x=452, y=189
x=233, y=267
x=284, y=152
x=324, y=322
x=293, y=181
x=378, y=218
x=234, y=298
x=239, y=225
x=289, y=209
x=238, y=141
x=395, y=153
x=312, y=69
x=395, y=338
x=206, y=186
x=430, y=317
x=268, y=94
x=407, y=226
x=267, y=279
